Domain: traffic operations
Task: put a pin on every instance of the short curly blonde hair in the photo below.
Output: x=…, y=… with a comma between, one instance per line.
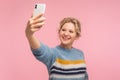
x=74, y=21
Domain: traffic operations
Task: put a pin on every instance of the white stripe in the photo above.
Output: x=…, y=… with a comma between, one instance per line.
x=69, y=66
x=67, y=76
x=67, y=71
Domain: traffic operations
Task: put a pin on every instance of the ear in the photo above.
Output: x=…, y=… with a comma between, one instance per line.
x=78, y=36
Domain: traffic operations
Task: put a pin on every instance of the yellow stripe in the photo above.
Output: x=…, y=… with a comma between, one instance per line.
x=66, y=62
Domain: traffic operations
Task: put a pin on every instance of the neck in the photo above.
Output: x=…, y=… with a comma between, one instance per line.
x=66, y=46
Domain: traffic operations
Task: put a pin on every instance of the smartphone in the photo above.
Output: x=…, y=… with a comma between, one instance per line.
x=39, y=8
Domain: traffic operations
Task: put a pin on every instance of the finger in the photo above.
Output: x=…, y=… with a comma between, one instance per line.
x=34, y=30
x=38, y=20
x=38, y=25
x=38, y=16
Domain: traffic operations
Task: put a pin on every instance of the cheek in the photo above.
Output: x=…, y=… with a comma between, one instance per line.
x=74, y=36
x=59, y=34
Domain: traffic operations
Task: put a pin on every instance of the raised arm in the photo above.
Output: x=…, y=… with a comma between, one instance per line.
x=34, y=24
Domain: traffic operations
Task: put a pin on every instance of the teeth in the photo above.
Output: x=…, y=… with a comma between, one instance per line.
x=66, y=38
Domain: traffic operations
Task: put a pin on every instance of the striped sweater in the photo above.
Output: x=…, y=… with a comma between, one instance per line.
x=62, y=64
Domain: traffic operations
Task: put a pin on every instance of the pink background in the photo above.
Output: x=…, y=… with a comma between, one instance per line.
x=100, y=39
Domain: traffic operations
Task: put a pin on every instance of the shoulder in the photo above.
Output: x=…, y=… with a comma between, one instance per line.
x=78, y=51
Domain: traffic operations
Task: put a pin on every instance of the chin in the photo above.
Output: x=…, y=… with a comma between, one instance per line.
x=65, y=43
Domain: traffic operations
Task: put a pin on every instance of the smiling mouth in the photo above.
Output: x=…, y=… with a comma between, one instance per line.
x=65, y=38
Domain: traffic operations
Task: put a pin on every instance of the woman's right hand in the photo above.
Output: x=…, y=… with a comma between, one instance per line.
x=34, y=24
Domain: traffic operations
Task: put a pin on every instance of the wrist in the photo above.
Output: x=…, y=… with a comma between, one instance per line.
x=29, y=36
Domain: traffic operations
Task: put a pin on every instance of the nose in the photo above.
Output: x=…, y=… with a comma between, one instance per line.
x=66, y=33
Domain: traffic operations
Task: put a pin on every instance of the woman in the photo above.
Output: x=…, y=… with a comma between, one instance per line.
x=64, y=62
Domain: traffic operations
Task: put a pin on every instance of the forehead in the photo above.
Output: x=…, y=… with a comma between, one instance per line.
x=69, y=26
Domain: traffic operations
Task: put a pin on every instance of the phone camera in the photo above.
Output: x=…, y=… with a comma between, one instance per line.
x=35, y=6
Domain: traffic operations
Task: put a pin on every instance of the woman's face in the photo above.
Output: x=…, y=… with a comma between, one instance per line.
x=67, y=34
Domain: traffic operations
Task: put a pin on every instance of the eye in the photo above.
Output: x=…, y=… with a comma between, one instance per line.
x=71, y=31
x=63, y=29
